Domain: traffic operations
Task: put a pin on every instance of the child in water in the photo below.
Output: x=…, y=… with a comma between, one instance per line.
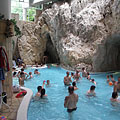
x=91, y=92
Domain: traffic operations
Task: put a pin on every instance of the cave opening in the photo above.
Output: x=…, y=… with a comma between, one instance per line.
x=107, y=57
x=51, y=51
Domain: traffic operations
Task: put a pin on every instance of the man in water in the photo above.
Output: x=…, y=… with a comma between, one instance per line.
x=71, y=100
x=77, y=75
x=84, y=73
x=36, y=71
x=67, y=79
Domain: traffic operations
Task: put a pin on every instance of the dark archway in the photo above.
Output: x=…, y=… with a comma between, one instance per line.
x=51, y=51
x=107, y=57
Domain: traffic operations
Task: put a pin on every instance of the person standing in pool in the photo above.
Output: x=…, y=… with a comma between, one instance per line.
x=84, y=73
x=30, y=75
x=117, y=85
x=115, y=97
x=74, y=85
x=91, y=92
x=43, y=95
x=22, y=77
x=67, y=79
x=72, y=76
x=112, y=79
x=77, y=75
x=71, y=100
x=88, y=76
x=38, y=94
x=108, y=80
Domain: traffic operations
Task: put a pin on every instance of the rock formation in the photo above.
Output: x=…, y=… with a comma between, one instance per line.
x=81, y=33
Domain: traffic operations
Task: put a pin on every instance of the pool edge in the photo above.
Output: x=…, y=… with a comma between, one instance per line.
x=23, y=108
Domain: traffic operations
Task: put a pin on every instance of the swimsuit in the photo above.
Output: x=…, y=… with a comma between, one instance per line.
x=70, y=110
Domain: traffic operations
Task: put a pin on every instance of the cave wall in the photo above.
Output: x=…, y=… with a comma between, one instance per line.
x=78, y=30
x=79, y=33
x=108, y=55
x=51, y=51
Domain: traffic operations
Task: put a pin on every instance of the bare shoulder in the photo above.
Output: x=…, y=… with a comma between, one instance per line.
x=67, y=97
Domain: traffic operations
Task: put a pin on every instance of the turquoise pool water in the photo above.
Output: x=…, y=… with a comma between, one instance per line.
x=52, y=108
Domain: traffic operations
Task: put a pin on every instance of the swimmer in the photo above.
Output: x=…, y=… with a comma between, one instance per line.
x=72, y=75
x=71, y=100
x=36, y=71
x=22, y=77
x=43, y=95
x=112, y=79
x=67, y=79
x=91, y=92
x=84, y=73
x=77, y=75
x=108, y=80
x=23, y=74
x=48, y=83
x=74, y=85
x=93, y=81
x=15, y=74
x=38, y=94
x=114, y=97
x=117, y=85
x=88, y=76
x=30, y=75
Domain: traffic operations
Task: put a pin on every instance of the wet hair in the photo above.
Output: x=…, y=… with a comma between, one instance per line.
x=22, y=69
x=74, y=83
x=72, y=73
x=22, y=73
x=111, y=76
x=83, y=68
x=14, y=73
x=42, y=92
x=92, y=80
x=114, y=95
x=39, y=88
x=92, y=87
x=70, y=89
x=36, y=69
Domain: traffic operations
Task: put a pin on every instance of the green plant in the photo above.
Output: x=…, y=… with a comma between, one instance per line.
x=31, y=14
x=16, y=28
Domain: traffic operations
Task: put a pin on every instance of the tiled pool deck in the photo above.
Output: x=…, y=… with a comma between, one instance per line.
x=14, y=104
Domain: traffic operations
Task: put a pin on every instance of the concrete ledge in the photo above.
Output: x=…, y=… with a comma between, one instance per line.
x=23, y=108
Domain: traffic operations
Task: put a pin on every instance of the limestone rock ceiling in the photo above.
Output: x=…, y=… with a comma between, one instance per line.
x=82, y=33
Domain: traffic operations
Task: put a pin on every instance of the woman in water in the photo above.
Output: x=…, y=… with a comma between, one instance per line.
x=91, y=92
x=43, y=95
